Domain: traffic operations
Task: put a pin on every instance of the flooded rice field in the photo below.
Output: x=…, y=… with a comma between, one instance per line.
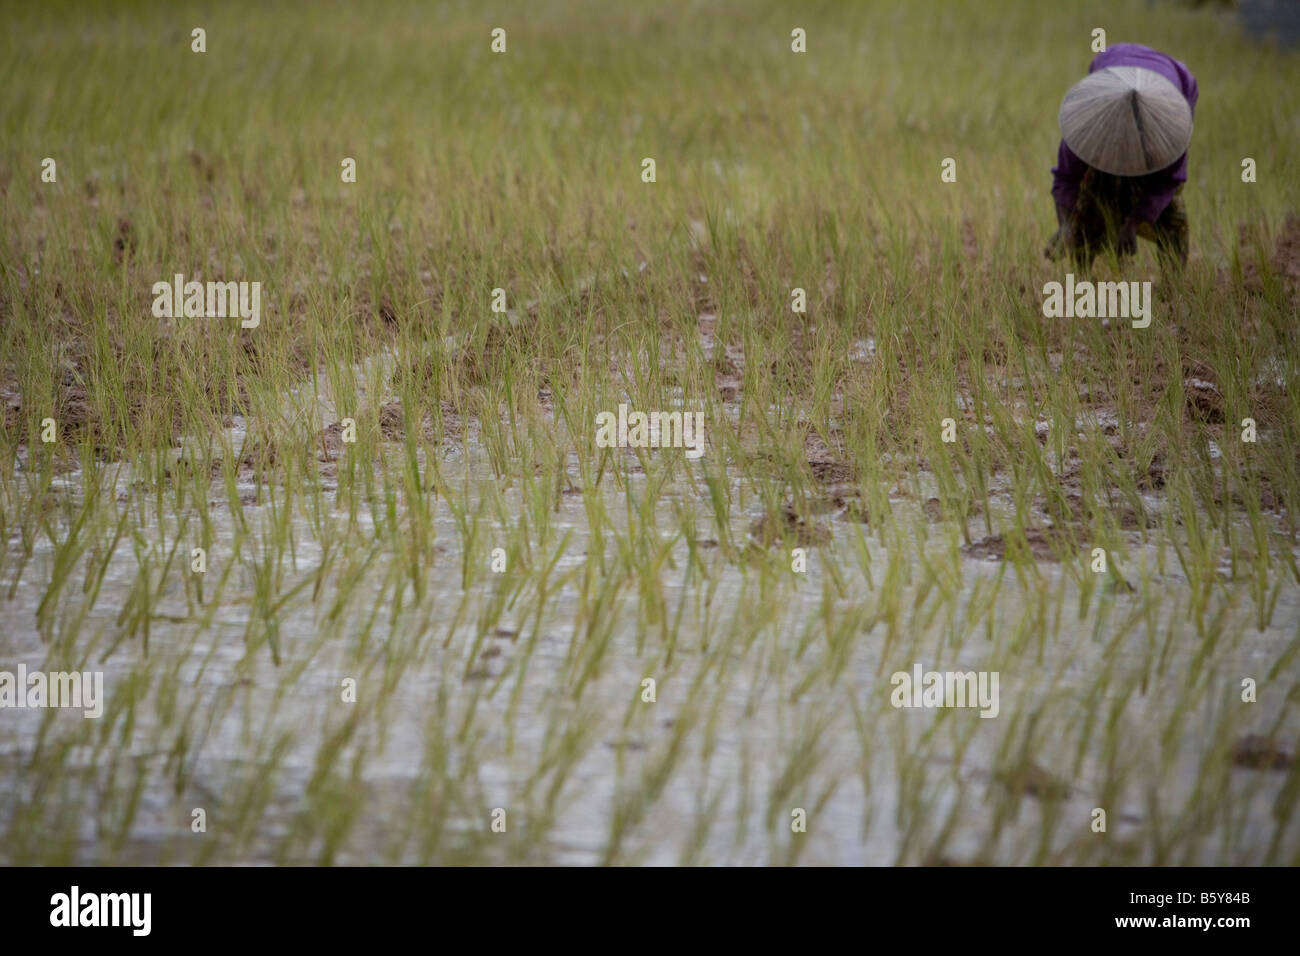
x=429, y=658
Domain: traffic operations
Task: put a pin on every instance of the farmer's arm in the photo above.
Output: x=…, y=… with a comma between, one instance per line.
x=1154, y=194
x=1156, y=191
x=1067, y=174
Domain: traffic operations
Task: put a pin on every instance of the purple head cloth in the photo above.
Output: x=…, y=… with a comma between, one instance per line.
x=1157, y=189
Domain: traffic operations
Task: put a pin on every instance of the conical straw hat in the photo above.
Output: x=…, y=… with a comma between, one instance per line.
x=1126, y=121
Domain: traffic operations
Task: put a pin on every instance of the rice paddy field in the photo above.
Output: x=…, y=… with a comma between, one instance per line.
x=363, y=585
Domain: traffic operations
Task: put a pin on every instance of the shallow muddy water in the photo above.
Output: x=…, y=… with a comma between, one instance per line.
x=523, y=691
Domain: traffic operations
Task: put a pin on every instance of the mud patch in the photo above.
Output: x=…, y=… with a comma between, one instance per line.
x=1283, y=262
x=1204, y=401
x=1257, y=752
x=995, y=547
x=787, y=524
x=1075, y=512
x=1033, y=781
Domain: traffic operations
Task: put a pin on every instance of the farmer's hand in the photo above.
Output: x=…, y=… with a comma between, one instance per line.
x=1054, y=246
x=1060, y=242
x=1127, y=242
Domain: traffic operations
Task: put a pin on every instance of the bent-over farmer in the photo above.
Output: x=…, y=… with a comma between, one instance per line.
x=1125, y=128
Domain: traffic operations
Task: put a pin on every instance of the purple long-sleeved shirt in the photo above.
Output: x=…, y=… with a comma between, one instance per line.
x=1156, y=189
